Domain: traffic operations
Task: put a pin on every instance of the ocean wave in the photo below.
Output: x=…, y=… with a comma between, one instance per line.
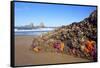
x=39, y=29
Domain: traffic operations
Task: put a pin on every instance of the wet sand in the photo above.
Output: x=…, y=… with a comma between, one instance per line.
x=24, y=56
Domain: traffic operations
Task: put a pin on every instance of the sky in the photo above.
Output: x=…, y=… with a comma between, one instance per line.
x=52, y=15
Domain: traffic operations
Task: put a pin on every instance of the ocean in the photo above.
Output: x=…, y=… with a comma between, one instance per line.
x=32, y=31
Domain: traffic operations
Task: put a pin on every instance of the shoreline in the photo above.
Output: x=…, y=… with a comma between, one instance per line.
x=24, y=56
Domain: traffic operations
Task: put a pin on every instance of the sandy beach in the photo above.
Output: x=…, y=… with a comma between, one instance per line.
x=24, y=56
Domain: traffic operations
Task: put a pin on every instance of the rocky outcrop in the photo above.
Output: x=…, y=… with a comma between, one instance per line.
x=77, y=33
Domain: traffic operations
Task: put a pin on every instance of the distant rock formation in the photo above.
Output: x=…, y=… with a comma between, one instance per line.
x=42, y=25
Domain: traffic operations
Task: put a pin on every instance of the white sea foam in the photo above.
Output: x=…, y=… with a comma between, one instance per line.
x=39, y=29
